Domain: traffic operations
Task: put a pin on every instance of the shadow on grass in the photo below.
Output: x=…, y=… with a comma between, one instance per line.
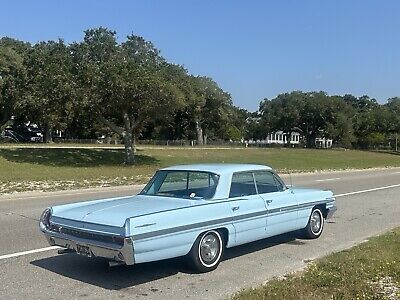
x=72, y=157
x=96, y=272
x=392, y=152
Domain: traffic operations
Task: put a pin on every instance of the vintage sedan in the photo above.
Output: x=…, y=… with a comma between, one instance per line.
x=190, y=210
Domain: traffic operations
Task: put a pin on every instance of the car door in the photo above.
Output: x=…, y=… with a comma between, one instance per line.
x=280, y=203
x=248, y=208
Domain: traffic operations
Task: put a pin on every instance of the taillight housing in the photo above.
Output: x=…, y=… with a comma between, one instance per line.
x=45, y=218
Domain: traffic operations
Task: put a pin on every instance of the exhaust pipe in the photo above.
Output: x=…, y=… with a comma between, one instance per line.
x=65, y=251
x=113, y=263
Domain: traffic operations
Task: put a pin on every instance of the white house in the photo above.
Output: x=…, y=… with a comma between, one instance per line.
x=323, y=143
x=280, y=137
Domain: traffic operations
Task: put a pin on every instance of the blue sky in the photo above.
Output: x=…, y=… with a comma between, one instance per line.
x=253, y=49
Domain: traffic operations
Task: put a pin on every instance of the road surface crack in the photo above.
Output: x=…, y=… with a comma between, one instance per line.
x=22, y=216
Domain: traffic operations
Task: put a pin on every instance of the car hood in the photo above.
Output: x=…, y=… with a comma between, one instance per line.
x=115, y=211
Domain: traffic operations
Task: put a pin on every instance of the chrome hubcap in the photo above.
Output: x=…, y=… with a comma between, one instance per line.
x=316, y=222
x=209, y=248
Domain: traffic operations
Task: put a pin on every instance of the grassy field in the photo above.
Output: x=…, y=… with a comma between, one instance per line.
x=48, y=168
x=368, y=271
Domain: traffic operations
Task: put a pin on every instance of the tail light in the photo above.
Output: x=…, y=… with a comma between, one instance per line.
x=45, y=218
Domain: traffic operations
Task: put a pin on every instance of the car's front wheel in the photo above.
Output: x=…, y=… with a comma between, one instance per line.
x=315, y=224
x=207, y=250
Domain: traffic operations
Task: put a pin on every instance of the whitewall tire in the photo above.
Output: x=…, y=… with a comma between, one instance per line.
x=207, y=251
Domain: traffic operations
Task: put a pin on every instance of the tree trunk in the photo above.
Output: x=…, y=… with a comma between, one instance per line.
x=199, y=133
x=4, y=122
x=128, y=140
x=288, y=138
x=134, y=143
x=47, y=134
x=125, y=132
x=129, y=153
x=311, y=140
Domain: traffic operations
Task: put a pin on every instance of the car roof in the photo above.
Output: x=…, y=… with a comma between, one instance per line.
x=218, y=168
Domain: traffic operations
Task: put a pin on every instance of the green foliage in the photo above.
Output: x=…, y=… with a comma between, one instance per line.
x=128, y=90
x=12, y=78
x=51, y=89
x=348, y=120
x=124, y=85
x=233, y=133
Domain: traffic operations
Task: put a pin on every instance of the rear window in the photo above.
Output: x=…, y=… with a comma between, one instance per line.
x=182, y=184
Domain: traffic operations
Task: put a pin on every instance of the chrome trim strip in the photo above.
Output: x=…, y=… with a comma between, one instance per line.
x=145, y=225
x=106, y=233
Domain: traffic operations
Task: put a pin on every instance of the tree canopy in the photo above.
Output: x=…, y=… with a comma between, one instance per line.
x=126, y=88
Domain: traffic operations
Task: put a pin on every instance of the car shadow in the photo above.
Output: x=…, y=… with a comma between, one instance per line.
x=96, y=271
x=73, y=157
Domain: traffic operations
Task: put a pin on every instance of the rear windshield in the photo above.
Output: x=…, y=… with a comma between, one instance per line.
x=182, y=184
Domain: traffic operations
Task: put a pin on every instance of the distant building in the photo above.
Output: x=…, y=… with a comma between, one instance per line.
x=323, y=143
x=278, y=138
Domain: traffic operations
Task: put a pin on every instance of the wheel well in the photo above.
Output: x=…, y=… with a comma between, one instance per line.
x=225, y=234
x=323, y=209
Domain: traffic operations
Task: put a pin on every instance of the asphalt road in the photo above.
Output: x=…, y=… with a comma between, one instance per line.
x=362, y=212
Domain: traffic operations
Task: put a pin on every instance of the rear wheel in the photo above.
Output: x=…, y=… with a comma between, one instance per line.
x=207, y=250
x=315, y=224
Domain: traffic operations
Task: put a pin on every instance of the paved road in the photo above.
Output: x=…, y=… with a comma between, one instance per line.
x=46, y=275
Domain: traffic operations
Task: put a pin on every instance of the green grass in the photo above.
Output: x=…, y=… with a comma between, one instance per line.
x=368, y=271
x=49, y=168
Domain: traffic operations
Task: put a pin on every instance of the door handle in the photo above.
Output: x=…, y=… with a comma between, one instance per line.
x=268, y=201
x=235, y=208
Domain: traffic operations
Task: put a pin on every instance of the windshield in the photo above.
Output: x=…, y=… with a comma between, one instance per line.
x=182, y=184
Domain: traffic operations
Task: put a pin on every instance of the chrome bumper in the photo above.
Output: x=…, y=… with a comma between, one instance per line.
x=124, y=254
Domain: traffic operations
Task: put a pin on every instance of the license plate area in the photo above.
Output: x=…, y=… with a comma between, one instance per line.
x=83, y=250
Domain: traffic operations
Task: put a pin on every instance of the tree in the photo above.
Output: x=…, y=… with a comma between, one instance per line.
x=283, y=112
x=123, y=85
x=362, y=104
x=208, y=107
x=12, y=80
x=51, y=88
x=341, y=131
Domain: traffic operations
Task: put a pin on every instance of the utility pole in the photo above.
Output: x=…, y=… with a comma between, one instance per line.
x=397, y=139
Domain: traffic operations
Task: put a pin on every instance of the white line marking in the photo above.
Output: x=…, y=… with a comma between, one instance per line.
x=396, y=173
x=328, y=179
x=29, y=252
x=369, y=190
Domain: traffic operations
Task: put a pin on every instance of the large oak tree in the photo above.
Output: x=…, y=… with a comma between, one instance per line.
x=124, y=84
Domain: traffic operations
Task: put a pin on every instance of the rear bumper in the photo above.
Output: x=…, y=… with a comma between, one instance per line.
x=124, y=254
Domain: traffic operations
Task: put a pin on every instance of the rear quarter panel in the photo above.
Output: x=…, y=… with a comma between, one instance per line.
x=172, y=233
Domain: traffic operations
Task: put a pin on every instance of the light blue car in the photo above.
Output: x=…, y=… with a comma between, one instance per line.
x=189, y=210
